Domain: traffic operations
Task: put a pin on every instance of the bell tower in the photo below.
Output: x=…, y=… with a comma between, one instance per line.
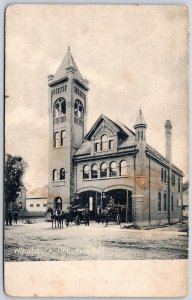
x=67, y=96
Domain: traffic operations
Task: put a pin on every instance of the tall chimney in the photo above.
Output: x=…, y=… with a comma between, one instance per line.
x=168, y=129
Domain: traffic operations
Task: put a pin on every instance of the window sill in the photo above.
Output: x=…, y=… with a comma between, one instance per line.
x=105, y=178
x=57, y=181
x=101, y=151
x=53, y=148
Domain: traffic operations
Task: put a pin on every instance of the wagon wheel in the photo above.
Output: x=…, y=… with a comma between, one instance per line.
x=118, y=219
x=77, y=220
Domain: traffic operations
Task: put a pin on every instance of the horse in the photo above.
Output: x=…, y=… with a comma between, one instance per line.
x=57, y=217
x=105, y=216
x=67, y=216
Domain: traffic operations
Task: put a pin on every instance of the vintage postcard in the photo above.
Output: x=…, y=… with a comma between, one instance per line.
x=96, y=150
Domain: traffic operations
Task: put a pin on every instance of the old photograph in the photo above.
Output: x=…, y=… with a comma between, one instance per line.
x=96, y=133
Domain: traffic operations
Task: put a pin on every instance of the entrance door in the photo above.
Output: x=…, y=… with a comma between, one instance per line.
x=58, y=203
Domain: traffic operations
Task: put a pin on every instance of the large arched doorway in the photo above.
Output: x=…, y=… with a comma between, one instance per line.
x=58, y=203
x=92, y=200
x=96, y=201
x=122, y=198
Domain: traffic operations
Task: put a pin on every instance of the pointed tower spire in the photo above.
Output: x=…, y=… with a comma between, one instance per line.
x=68, y=64
x=140, y=121
x=140, y=127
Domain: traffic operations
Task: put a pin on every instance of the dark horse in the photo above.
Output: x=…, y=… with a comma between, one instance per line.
x=104, y=217
x=57, y=217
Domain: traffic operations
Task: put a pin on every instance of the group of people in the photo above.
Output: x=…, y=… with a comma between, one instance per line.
x=11, y=217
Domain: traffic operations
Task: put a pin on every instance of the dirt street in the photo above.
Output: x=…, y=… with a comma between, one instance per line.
x=39, y=241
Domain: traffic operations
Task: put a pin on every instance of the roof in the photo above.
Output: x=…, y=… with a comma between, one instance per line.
x=118, y=126
x=155, y=152
x=68, y=62
x=85, y=148
x=161, y=157
x=129, y=138
x=140, y=121
x=102, y=117
x=125, y=128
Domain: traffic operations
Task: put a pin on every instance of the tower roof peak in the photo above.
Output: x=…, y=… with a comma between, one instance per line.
x=140, y=121
x=68, y=62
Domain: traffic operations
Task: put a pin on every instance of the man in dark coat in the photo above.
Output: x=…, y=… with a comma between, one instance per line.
x=10, y=217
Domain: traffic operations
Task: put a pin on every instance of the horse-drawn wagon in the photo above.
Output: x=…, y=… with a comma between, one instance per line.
x=112, y=213
x=74, y=213
x=78, y=214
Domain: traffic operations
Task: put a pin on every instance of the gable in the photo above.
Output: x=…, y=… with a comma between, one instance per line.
x=106, y=125
x=103, y=128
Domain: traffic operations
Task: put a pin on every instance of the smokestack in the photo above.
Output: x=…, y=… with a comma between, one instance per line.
x=168, y=129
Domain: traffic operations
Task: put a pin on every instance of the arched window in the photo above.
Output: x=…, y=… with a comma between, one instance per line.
x=62, y=174
x=94, y=171
x=78, y=109
x=86, y=172
x=123, y=168
x=59, y=108
x=54, y=175
x=103, y=170
x=104, y=142
x=113, y=169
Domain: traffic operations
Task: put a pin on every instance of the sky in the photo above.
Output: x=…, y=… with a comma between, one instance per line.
x=134, y=56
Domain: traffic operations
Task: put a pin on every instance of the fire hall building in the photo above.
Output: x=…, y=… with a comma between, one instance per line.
x=110, y=161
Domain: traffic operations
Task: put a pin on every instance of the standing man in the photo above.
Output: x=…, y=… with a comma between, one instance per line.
x=10, y=217
x=15, y=217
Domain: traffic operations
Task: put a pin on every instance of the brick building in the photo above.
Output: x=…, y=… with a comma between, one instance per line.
x=110, y=161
